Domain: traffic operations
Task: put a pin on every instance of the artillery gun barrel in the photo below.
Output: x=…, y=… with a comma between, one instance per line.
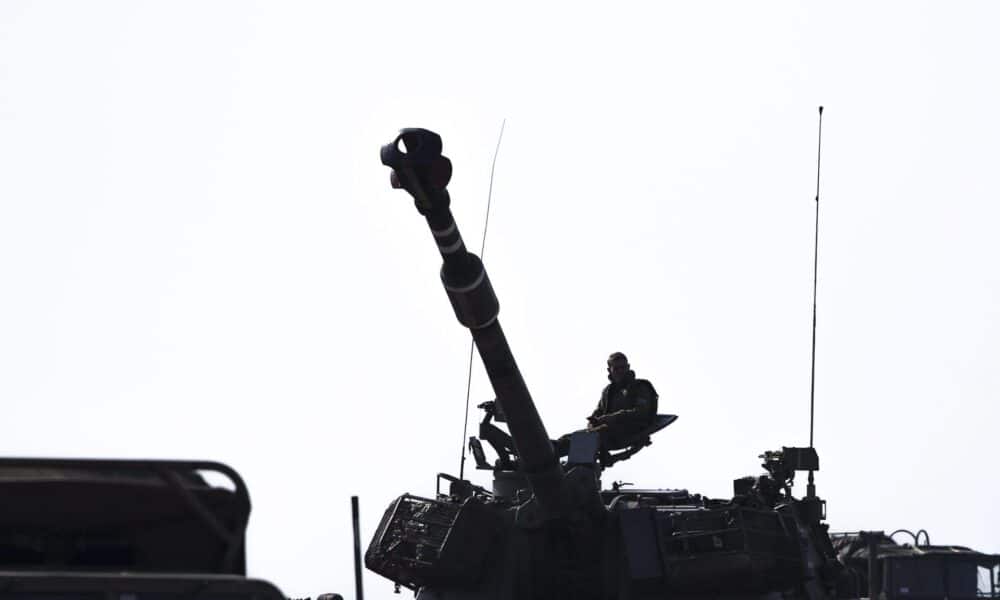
x=419, y=168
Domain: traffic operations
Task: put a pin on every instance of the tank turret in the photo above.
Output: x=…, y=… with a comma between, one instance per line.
x=566, y=538
x=135, y=529
x=469, y=536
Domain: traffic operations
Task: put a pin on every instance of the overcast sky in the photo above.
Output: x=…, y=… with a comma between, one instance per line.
x=201, y=256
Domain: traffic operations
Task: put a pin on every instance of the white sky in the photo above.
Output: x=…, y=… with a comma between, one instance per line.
x=201, y=257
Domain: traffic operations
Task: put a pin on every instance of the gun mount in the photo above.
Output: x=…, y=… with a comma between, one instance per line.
x=559, y=536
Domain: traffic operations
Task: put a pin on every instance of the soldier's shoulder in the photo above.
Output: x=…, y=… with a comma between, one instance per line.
x=644, y=384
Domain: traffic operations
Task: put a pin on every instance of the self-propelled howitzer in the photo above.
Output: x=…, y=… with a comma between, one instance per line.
x=547, y=530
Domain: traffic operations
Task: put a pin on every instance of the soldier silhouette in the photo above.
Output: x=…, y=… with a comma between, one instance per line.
x=627, y=406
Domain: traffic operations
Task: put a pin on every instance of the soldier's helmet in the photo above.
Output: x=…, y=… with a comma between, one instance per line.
x=617, y=357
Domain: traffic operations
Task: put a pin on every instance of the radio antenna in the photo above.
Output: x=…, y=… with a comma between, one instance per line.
x=811, y=487
x=472, y=346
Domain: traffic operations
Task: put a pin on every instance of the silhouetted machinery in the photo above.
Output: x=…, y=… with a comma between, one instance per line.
x=878, y=566
x=546, y=529
x=125, y=530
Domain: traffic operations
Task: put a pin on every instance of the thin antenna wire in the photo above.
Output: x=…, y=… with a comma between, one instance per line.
x=812, y=379
x=811, y=484
x=472, y=345
x=489, y=197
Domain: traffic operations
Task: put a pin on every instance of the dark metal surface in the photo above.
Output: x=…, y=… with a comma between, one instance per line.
x=145, y=515
x=51, y=585
x=875, y=563
x=359, y=592
x=124, y=530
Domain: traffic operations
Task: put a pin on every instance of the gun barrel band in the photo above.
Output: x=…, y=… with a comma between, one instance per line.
x=451, y=248
x=470, y=287
x=445, y=232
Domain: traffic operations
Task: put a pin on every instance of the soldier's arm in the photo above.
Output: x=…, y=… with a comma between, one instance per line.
x=647, y=402
x=642, y=411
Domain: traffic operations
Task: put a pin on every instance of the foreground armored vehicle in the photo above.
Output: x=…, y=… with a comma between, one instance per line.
x=546, y=529
x=124, y=529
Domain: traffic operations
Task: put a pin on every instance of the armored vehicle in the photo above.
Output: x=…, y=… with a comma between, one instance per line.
x=546, y=529
x=124, y=529
x=878, y=566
